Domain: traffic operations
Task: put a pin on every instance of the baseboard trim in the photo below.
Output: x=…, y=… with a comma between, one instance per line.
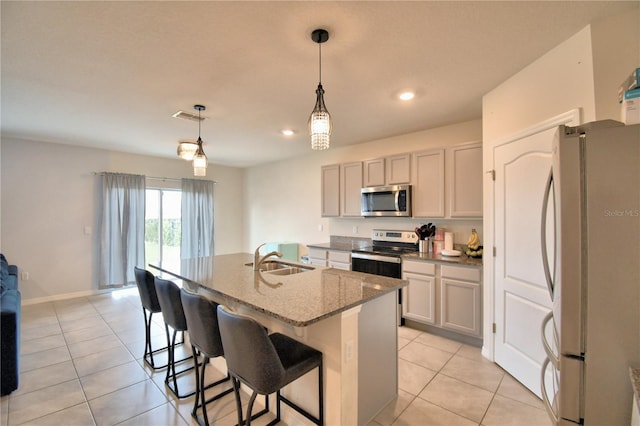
x=65, y=296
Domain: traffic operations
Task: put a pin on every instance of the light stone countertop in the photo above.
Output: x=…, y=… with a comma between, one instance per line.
x=634, y=374
x=298, y=299
x=457, y=260
x=460, y=260
x=340, y=246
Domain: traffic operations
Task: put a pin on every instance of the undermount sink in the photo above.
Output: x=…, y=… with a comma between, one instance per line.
x=276, y=267
x=289, y=270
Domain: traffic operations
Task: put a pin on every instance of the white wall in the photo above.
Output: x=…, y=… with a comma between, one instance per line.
x=559, y=81
x=50, y=194
x=616, y=52
x=283, y=198
x=583, y=72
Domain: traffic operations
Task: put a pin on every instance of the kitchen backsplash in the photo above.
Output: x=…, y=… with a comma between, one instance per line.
x=347, y=230
x=355, y=242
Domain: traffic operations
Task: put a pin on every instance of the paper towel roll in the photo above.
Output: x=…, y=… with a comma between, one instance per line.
x=448, y=240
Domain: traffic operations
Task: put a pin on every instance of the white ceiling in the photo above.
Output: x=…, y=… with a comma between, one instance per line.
x=110, y=74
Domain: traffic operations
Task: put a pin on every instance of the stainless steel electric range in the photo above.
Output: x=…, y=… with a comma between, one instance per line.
x=384, y=256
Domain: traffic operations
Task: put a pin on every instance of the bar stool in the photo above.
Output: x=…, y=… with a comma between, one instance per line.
x=266, y=362
x=204, y=334
x=169, y=297
x=150, y=304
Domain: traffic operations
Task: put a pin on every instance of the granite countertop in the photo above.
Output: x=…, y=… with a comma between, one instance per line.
x=340, y=245
x=355, y=245
x=298, y=299
x=459, y=260
x=634, y=374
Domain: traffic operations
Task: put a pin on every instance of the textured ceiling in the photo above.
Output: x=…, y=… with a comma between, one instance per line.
x=110, y=74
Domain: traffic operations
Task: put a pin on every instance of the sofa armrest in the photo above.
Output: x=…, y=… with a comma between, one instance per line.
x=13, y=270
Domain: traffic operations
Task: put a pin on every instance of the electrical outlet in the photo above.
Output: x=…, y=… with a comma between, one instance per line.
x=349, y=350
x=320, y=227
x=355, y=229
x=24, y=276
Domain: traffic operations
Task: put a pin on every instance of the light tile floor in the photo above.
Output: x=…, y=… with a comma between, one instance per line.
x=81, y=364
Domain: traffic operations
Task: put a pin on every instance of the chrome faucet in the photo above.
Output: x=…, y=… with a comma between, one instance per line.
x=257, y=260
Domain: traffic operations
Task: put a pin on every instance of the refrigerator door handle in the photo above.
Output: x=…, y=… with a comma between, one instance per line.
x=543, y=234
x=545, y=399
x=551, y=356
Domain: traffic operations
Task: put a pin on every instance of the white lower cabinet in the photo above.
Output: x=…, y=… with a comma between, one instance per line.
x=332, y=258
x=339, y=259
x=317, y=256
x=460, y=299
x=445, y=296
x=419, y=297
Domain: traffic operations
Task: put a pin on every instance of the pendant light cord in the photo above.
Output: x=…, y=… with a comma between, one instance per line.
x=320, y=63
x=199, y=121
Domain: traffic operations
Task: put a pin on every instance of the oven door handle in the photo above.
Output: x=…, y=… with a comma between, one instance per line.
x=376, y=257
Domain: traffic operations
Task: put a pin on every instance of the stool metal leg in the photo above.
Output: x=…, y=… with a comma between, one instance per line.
x=317, y=420
x=236, y=388
x=148, y=350
x=200, y=400
x=171, y=379
x=320, y=395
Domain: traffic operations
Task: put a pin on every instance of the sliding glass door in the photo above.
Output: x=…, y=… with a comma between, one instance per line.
x=162, y=228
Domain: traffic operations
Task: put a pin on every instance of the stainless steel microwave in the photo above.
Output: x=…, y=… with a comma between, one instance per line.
x=394, y=201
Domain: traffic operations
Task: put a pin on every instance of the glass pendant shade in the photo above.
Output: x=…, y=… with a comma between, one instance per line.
x=320, y=123
x=187, y=150
x=199, y=161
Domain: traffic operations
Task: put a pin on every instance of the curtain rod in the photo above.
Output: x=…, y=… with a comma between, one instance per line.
x=154, y=177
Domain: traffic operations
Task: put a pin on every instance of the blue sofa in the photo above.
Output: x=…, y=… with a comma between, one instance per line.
x=9, y=327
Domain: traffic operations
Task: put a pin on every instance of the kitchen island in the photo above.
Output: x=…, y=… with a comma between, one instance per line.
x=349, y=316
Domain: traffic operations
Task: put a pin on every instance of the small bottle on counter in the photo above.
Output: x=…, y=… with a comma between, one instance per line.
x=438, y=246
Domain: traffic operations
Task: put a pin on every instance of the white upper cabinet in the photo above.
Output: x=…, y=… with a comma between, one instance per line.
x=392, y=170
x=446, y=182
x=428, y=183
x=374, y=172
x=350, y=186
x=330, y=190
x=398, y=169
x=465, y=180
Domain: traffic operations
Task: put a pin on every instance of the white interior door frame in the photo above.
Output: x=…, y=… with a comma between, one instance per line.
x=571, y=117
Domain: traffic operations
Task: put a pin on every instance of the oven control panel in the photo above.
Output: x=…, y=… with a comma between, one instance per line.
x=394, y=236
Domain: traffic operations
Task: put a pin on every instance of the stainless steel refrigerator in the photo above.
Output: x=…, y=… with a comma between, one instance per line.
x=591, y=253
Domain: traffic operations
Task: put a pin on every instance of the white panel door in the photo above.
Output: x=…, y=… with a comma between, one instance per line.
x=522, y=300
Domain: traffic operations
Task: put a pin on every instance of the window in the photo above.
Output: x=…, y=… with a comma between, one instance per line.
x=163, y=228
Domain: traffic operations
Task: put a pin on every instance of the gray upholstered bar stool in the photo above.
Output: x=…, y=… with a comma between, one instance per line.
x=150, y=305
x=266, y=362
x=173, y=313
x=204, y=334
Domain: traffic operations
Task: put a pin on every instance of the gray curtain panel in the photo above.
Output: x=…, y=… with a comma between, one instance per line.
x=122, y=228
x=197, y=219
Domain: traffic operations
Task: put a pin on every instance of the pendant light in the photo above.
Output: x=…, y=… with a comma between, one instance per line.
x=187, y=150
x=199, y=159
x=320, y=120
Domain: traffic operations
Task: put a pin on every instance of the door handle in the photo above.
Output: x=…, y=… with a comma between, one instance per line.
x=543, y=234
x=551, y=356
x=545, y=398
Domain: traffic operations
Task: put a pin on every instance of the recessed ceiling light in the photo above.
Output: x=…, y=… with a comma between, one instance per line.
x=287, y=132
x=406, y=96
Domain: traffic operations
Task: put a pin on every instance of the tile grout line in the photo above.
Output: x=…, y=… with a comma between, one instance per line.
x=169, y=401
x=148, y=376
